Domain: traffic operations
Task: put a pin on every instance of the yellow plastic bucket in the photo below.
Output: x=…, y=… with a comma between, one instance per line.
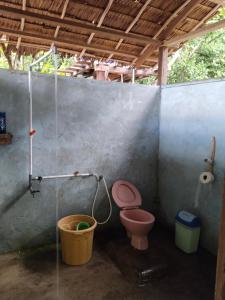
x=76, y=244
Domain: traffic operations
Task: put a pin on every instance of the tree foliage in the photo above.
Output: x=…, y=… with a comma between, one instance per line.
x=201, y=58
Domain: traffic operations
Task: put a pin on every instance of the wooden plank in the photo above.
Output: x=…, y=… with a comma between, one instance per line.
x=6, y=138
x=194, y=34
x=133, y=23
x=179, y=15
x=74, y=25
x=220, y=2
x=164, y=25
x=143, y=55
x=220, y=272
x=21, y=25
x=184, y=13
x=62, y=43
x=124, y=70
x=62, y=16
x=100, y=75
x=213, y=11
x=98, y=25
x=175, y=13
x=70, y=51
x=163, y=65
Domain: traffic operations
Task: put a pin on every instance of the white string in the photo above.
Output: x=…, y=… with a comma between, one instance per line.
x=56, y=185
x=94, y=201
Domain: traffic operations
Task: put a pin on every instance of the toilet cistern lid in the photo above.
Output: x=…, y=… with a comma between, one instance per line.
x=126, y=194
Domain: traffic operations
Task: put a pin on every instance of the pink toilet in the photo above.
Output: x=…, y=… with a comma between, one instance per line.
x=137, y=222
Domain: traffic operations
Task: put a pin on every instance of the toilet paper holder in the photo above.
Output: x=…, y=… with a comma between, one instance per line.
x=211, y=159
x=208, y=176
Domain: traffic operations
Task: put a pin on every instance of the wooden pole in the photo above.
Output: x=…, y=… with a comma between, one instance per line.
x=220, y=272
x=100, y=75
x=163, y=65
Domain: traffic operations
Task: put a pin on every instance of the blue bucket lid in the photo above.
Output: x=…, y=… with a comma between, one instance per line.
x=188, y=219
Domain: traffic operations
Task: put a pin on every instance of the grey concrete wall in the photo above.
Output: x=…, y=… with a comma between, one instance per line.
x=108, y=128
x=190, y=115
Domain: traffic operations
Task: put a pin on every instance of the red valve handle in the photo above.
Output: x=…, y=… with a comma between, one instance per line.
x=32, y=132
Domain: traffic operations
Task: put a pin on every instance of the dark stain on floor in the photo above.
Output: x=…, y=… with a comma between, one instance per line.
x=115, y=272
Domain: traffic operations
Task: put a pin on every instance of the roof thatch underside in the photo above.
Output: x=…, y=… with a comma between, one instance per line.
x=124, y=30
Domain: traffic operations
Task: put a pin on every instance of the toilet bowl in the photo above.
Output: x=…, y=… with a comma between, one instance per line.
x=137, y=222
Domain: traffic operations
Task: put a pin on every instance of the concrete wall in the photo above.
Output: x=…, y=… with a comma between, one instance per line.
x=190, y=115
x=108, y=128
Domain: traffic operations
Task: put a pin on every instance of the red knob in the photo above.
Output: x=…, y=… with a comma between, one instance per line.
x=32, y=132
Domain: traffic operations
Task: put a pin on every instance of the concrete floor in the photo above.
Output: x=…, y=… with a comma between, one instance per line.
x=113, y=273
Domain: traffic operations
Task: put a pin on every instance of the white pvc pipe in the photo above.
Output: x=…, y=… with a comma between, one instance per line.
x=30, y=123
x=52, y=50
x=133, y=75
x=64, y=176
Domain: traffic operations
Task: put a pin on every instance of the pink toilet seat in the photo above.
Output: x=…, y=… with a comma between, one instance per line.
x=126, y=195
x=137, y=216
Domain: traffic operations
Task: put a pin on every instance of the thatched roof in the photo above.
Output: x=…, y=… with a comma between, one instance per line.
x=129, y=31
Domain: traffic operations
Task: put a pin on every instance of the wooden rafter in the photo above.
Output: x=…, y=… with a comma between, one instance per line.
x=179, y=19
x=220, y=2
x=174, y=14
x=70, y=51
x=220, y=272
x=197, y=33
x=213, y=11
x=62, y=43
x=62, y=16
x=125, y=71
x=132, y=23
x=22, y=24
x=53, y=20
x=98, y=25
x=164, y=25
x=179, y=15
x=75, y=24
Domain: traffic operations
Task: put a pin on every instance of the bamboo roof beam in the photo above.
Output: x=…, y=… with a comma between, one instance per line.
x=124, y=71
x=69, y=51
x=213, y=11
x=220, y=2
x=187, y=7
x=62, y=43
x=200, y=23
x=165, y=24
x=133, y=23
x=98, y=25
x=197, y=33
x=179, y=19
x=21, y=26
x=61, y=17
x=75, y=24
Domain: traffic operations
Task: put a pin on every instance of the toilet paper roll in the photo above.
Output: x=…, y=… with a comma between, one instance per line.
x=206, y=177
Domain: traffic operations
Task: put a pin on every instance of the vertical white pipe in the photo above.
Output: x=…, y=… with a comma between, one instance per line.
x=30, y=121
x=133, y=75
x=52, y=50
